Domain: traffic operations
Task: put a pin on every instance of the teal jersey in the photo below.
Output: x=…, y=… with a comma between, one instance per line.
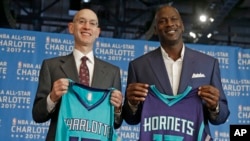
x=86, y=114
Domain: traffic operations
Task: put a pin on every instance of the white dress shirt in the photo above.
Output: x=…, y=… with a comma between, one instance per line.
x=173, y=69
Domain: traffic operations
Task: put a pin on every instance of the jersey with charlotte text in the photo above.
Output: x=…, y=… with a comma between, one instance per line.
x=86, y=114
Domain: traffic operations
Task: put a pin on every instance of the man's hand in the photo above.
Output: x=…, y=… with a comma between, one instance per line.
x=116, y=100
x=136, y=92
x=210, y=95
x=60, y=87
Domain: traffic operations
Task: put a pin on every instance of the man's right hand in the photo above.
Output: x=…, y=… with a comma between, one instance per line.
x=60, y=87
x=136, y=93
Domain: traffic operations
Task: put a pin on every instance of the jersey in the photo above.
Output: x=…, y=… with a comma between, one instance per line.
x=172, y=118
x=86, y=114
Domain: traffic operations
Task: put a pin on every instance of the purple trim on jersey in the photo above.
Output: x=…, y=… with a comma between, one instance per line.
x=86, y=105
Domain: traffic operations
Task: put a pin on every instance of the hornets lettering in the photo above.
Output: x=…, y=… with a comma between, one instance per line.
x=169, y=123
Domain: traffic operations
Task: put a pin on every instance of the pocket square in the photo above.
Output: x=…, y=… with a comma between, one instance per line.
x=198, y=75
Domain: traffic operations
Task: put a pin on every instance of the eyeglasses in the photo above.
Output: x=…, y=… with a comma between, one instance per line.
x=82, y=21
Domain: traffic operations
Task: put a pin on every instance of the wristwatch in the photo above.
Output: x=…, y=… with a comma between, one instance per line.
x=216, y=110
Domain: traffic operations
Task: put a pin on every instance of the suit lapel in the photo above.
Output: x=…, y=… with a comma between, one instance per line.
x=160, y=71
x=99, y=74
x=187, y=70
x=69, y=68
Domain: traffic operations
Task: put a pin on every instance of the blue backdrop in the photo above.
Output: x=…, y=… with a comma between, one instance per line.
x=22, y=52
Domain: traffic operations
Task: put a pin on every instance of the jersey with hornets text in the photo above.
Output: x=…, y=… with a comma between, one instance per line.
x=172, y=118
x=86, y=114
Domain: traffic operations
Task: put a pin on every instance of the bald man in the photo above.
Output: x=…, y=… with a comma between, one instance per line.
x=55, y=72
x=172, y=68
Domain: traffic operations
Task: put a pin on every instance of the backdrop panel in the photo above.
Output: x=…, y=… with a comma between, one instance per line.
x=22, y=53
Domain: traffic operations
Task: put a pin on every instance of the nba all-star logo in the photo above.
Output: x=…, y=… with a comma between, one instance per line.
x=116, y=51
x=243, y=61
x=27, y=71
x=58, y=46
x=244, y=114
x=221, y=136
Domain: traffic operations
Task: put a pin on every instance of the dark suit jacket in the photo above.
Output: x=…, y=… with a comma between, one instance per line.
x=105, y=76
x=150, y=69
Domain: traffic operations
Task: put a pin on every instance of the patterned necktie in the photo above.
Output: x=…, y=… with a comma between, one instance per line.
x=84, y=72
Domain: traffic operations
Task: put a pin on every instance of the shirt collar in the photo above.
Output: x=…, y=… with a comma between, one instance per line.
x=78, y=55
x=165, y=54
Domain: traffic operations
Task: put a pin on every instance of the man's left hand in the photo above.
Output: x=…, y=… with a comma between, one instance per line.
x=210, y=95
x=116, y=100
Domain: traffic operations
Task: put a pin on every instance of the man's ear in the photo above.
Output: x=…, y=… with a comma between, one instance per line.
x=97, y=32
x=183, y=29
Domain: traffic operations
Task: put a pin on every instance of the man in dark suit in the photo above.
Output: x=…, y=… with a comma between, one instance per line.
x=171, y=68
x=55, y=72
